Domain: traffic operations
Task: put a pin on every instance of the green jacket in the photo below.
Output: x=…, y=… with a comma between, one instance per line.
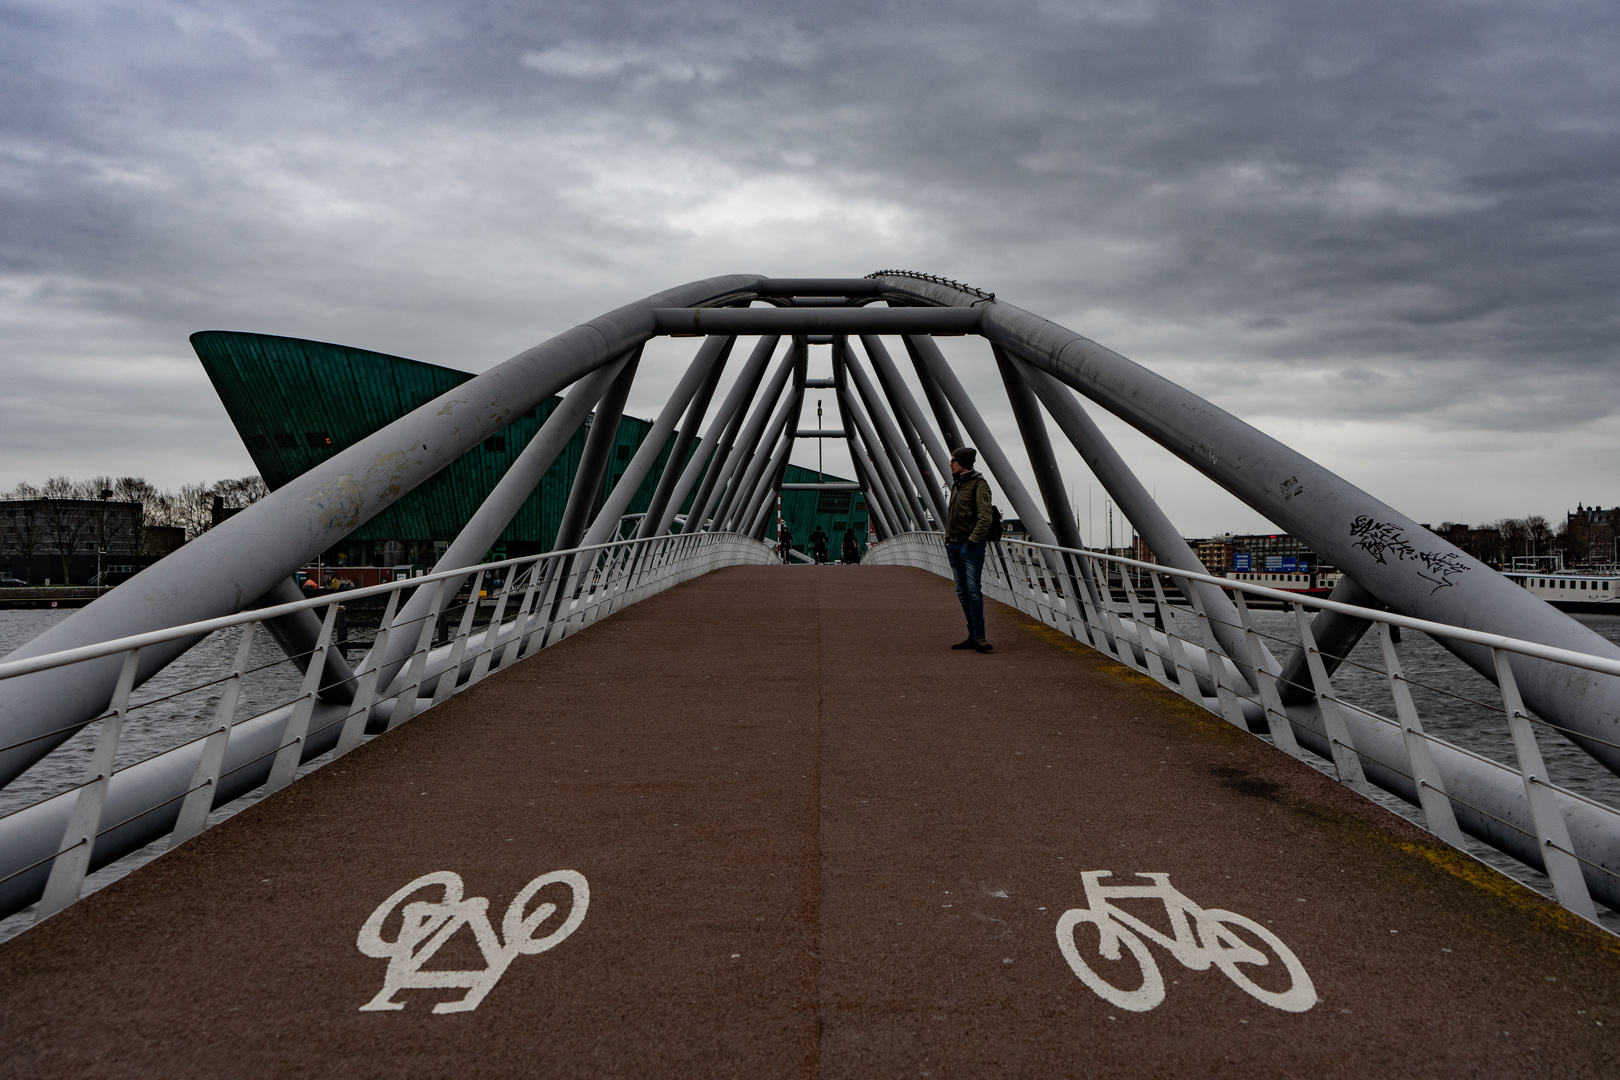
x=968, y=515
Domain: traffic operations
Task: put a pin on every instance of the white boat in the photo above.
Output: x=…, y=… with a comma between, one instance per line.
x=1309, y=582
x=1572, y=590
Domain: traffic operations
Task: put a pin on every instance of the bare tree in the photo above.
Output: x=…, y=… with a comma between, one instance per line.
x=67, y=526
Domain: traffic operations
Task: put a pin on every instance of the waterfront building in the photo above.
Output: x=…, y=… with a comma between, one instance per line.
x=297, y=402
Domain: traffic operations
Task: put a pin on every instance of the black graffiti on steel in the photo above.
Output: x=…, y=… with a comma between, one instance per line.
x=1441, y=567
x=1378, y=538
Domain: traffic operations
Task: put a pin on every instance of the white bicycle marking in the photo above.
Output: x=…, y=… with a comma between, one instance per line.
x=427, y=925
x=1202, y=937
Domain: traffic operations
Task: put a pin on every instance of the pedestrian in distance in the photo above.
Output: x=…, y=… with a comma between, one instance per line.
x=968, y=519
x=852, y=549
x=784, y=541
x=818, y=545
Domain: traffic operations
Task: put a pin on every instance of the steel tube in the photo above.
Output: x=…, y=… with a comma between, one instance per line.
x=728, y=487
x=696, y=321
x=1395, y=558
x=1138, y=506
x=675, y=465
x=899, y=451
x=903, y=502
x=716, y=444
x=936, y=404
x=240, y=560
x=924, y=443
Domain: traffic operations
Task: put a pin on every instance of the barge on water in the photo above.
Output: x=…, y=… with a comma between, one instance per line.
x=1590, y=592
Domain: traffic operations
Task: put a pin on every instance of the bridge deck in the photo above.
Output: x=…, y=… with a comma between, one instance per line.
x=817, y=842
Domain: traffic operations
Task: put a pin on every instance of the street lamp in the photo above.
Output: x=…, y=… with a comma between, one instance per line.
x=101, y=540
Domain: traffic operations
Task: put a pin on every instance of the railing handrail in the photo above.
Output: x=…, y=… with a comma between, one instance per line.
x=1588, y=661
x=29, y=665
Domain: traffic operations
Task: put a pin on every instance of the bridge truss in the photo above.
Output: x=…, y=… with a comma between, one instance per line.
x=725, y=467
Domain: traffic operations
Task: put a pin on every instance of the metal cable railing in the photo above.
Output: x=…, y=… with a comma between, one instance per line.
x=1511, y=806
x=48, y=847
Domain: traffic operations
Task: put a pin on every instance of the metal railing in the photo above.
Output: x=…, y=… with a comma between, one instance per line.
x=480, y=619
x=1123, y=608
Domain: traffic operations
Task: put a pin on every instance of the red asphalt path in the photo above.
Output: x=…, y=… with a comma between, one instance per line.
x=817, y=843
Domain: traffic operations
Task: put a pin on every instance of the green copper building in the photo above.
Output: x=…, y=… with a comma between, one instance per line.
x=297, y=402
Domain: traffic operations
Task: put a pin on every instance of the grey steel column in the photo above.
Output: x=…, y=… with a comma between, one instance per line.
x=929, y=356
x=902, y=498
x=927, y=446
x=596, y=457
x=686, y=435
x=243, y=558
x=1027, y=413
x=876, y=508
x=741, y=509
x=728, y=487
x=1413, y=571
x=894, y=443
x=711, y=450
x=718, y=444
x=1133, y=500
x=864, y=473
x=755, y=512
x=606, y=525
x=499, y=507
x=936, y=398
x=771, y=477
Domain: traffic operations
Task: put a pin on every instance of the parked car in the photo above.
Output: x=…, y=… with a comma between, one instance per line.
x=8, y=582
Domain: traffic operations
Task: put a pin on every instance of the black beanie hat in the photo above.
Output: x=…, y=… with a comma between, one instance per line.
x=966, y=456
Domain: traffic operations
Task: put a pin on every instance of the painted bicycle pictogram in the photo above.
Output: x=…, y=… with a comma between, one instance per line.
x=426, y=925
x=1203, y=937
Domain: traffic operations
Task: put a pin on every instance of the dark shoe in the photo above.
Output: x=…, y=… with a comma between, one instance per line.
x=982, y=646
x=966, y=643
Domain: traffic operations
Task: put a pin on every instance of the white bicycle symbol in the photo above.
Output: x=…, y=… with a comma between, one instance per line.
x=426, y=925
x=1202, y=937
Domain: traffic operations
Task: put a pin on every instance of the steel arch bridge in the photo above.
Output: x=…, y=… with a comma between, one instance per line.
x=727, y=464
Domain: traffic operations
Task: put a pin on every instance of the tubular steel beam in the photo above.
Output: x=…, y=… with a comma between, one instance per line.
x=1402, y=563
x=228, y=567
x=829, y=485
x=711, y=450
x=685, y=436
x=900, y=494
x=926, y=444
x=817, y=320
x=817, y=287
x=595, y=458
x=1163, y=538
x=729, y=482
x=936, y=403
x=905, y=466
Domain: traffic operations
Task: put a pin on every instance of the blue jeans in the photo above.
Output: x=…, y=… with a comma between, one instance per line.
x=967, y=561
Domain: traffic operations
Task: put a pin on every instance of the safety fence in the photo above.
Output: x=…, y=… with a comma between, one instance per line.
x=1128, y=610
x=449, y=630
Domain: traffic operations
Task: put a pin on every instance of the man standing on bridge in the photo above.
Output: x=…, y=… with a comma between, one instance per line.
x=967, y=524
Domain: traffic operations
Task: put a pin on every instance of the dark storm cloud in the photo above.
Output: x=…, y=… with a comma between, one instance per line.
x=1385, y=210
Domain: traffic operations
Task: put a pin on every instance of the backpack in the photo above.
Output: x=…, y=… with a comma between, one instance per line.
x=995, y=525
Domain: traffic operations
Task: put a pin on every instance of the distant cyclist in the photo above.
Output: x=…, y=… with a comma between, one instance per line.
x=852, y=550
x=784, y=541
x=818, y=545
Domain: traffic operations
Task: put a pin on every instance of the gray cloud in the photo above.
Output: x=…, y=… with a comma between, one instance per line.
x=1398, y=216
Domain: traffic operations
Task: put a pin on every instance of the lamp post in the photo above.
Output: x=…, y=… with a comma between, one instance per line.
x=101, y=540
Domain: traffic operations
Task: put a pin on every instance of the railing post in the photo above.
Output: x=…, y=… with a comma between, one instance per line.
x=1552, y=832
x=205, y=778
x=292, y=740
x=1155, y=663
x=1282, y=729
x=492, y=630
x=405, y=701
x=1186, y=681
x=365, y=692
x=458, y=651
x=1214, y=657
x=1345, y=758
x=72, y=860
x=1438, y=814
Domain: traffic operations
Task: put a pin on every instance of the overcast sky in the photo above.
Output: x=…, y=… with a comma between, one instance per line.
x=1384, y=232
